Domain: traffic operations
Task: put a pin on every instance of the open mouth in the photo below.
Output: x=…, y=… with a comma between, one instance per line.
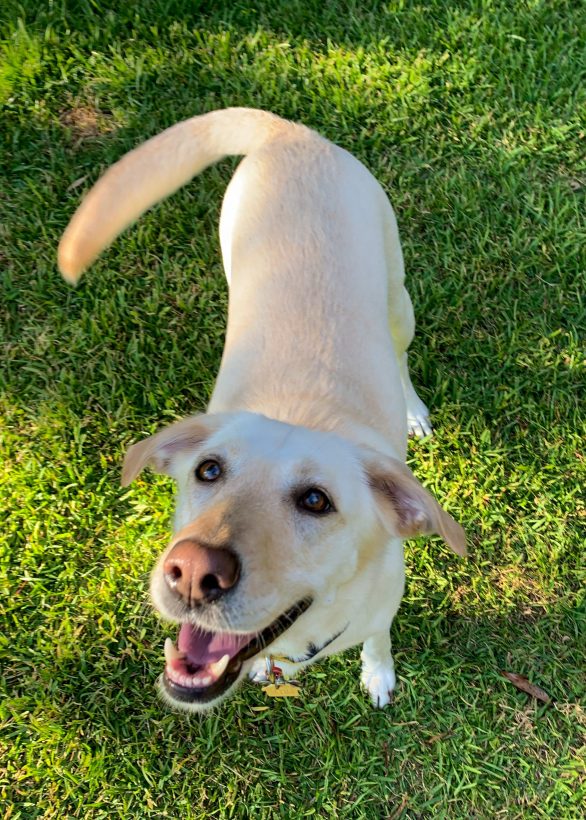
x=205, y=664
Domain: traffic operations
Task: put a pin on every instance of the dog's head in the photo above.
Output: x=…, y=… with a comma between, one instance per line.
x=271, y=520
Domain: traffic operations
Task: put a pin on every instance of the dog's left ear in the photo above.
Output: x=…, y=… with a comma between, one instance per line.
x=157, y=451
x=405, y=506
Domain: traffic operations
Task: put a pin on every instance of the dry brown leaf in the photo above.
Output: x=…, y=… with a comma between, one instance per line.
x=400, y=809
x=77, y=183
x=435, y=738
x=526, y=686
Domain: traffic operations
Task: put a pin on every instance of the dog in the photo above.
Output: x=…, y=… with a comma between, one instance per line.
x=293, y=497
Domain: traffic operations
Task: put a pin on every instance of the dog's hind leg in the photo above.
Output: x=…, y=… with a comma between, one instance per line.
x=402, y=324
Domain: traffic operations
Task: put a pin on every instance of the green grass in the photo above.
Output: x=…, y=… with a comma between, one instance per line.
x=471, y=114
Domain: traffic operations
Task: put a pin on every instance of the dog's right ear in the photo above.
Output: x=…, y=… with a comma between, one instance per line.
x=157, y=451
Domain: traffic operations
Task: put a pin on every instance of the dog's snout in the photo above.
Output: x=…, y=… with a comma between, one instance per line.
x=198, y=574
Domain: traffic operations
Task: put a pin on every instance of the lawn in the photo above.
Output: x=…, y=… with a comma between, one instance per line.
x=472, y=115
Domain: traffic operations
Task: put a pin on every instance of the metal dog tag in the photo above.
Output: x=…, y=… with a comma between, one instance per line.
x=286, y=689
x=278, y=687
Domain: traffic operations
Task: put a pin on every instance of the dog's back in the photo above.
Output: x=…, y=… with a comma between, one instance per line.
x=303, y=239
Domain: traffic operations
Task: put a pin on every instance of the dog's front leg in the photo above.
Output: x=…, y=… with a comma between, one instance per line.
x=378, y=669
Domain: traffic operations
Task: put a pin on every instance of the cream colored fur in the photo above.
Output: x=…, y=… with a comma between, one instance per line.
x=313, y=387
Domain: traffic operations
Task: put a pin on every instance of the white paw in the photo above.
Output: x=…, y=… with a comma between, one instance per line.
x=379, y=682
x=419, y=426
x=258, y=671
x=418, y=421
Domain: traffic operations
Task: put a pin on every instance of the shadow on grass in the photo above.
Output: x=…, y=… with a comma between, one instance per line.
x=145, y=327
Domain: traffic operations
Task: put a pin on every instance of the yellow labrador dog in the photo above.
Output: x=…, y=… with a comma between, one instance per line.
x=293, y=498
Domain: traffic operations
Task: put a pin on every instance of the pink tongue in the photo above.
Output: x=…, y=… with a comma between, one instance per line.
x=203, y=647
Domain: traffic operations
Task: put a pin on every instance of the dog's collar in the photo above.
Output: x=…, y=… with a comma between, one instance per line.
x=281, y=687
x=313, y=649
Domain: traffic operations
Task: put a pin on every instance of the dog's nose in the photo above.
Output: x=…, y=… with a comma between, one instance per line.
x=199, y=574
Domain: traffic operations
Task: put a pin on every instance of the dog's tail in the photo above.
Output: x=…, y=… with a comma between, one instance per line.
x=156, y=169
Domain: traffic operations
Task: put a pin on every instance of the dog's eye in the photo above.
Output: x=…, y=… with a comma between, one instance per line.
x=315, y=501
x=208, y=470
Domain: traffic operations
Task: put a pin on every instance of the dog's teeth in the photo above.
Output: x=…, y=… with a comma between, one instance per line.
x=219, y=667
x=171, y=651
